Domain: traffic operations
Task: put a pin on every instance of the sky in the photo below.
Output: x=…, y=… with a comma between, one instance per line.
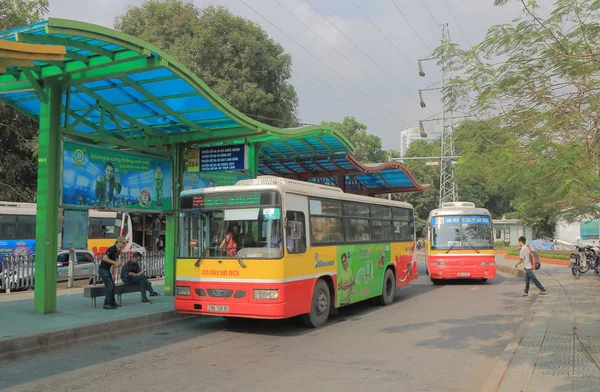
x=361, y=61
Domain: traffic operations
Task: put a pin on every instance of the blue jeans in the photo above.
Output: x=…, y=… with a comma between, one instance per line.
x=109, y=286
x=142, y=281
x=530, y=276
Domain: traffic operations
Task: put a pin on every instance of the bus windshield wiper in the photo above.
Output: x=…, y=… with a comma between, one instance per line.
x=201, y=258
x=239, y=259
x=471, y=245
x=448, y=251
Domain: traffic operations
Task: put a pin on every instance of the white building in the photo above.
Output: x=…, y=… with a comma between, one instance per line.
x=584, y=232
x=406, y=138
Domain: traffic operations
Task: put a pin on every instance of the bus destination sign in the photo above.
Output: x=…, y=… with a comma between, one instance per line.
x=230, y=200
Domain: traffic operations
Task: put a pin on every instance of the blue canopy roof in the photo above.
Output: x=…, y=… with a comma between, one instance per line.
x=121, y=90
x=344, y=171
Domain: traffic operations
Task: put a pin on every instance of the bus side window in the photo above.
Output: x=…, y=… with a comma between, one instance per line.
x=295, y=236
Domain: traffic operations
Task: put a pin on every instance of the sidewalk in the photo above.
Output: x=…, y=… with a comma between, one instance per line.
x=23, y=331
x=557, y=347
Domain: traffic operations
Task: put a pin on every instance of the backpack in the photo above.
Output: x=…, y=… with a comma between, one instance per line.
x=535, y=259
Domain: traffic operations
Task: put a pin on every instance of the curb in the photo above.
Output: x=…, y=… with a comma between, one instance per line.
x=520, y=272
x=497, y=375
x=15, y=348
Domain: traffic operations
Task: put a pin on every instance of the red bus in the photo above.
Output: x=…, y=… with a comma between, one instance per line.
x=460, y=243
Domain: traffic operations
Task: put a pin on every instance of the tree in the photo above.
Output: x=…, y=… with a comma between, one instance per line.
x=482, y=172
x=539, y=76
x=423, y=202
x=18, y=133
x=367, y=147
x=234, y=56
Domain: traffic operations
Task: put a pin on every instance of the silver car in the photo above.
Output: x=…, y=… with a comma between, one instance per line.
x=22, y=274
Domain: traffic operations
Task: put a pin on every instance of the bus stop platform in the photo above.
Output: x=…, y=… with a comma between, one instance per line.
x=24, y=332
x=557, y=346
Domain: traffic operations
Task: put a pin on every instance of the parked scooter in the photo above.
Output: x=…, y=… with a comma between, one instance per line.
x=585, y=258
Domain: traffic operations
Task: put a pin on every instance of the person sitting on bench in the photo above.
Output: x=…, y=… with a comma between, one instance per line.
x=132, y=274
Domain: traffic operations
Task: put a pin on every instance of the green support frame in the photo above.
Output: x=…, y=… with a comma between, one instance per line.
x=46, y=233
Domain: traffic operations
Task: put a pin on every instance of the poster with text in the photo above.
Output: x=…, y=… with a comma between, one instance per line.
x=103, y=178
x=360, y=271
x=75, y=224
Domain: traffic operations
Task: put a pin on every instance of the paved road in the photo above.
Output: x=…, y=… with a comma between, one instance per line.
x=432, y=338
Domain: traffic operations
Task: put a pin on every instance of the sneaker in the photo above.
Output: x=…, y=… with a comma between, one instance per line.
x=524, y=295
x=146, y=301
x=542, y=293
x=154, y=294
x=109, y=307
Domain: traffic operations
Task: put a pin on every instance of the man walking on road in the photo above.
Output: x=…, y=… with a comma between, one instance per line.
x=110, y=258
x=525, y=258
x=132, y=274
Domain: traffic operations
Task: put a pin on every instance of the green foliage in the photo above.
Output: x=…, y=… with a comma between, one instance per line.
x=535, y=81
x=501, y=244
x=234, y=56
x=556, y=255
x=367, y=147
x=22, y=12
x=18, y=133
x=423, y=202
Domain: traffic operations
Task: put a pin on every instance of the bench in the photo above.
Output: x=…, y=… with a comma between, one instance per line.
x=98, y=291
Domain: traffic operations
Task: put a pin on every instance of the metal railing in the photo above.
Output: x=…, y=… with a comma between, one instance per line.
x=18, y=272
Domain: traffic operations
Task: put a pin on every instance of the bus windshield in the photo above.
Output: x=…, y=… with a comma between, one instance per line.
x=228, y=226
x=461, y=232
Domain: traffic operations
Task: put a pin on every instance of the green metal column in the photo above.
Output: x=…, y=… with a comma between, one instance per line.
x=172, y=235
x=48, y=190
x=253, y=156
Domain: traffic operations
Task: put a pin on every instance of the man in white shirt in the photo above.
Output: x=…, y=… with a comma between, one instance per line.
x=525, y=258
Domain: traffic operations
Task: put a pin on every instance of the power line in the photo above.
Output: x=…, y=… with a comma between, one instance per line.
x=459, y=26
x=411, y=26
x=338, y=98
x=392, y=121
x=384, y=34
x=345, y=58
x=430, y=14
x=322, y=62
x=355, y=45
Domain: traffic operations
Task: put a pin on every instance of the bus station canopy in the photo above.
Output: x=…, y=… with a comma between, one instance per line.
x=344, y=171
x=119, y=90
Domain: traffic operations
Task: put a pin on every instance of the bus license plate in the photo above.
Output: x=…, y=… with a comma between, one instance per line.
x=217, y=308
x=463, y=274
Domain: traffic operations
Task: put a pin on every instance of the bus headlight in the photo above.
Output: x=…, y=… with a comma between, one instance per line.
x=182, y=290
x=438, y=264
x=266, y=294
x=487, y=263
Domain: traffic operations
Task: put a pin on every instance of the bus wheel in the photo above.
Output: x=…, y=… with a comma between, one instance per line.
x=389, y=289
x=319, y=308
x=436, y=282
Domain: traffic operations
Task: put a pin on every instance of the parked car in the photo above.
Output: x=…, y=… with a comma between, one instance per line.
x=83, y=268
x=25, y=275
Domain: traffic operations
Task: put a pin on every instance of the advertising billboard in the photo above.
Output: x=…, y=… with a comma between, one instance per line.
x=106, y=178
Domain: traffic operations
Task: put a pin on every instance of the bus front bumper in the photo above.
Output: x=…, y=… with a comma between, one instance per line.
x=445, y=272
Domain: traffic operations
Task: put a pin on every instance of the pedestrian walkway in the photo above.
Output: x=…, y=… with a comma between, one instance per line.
x=557, y=347
x=75, y=318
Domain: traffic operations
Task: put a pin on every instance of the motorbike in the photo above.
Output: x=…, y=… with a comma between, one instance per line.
x=585, y=259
